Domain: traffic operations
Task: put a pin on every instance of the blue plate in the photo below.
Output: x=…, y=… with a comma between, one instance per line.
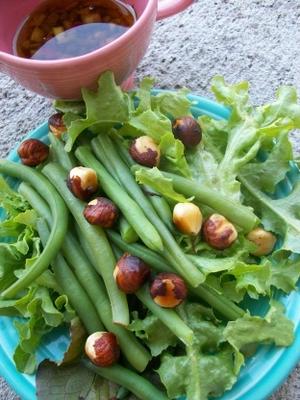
x=263, y=372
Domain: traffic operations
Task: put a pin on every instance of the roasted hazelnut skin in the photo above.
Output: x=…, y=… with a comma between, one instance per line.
x=33, y=152
x=101, y=211
x=131, y=273
x=82, y=182
x=168, y=290
x=102, y=349
x=188, y=218
x=264, y=240
x=187, y=130
x=145, y=151
x=56, y=124
x=218, y=232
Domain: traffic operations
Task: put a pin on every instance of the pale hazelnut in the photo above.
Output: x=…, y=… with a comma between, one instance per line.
x=33, y=152
x=101, y=211
x=82, y=182
x=145, y=151
x=264, y=240
x=131, y=273
x=102, y=349
x=218, y=232
x=168, y=290
x=188, y=218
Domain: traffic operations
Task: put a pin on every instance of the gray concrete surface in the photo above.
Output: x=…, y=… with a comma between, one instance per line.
x=256, y=40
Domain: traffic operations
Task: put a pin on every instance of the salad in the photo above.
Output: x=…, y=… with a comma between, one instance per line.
x=149, y=232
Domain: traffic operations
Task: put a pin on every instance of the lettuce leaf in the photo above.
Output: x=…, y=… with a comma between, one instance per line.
x=208, y=368
x=108, y=106
x=72, y=382
x=11, y=202
x=280, y=215
x=254, y=278
x=174, y=159
x=211, y=365
x=152, y=117
x=18, y=239
x=248, y=130
x=76, y=107
x=274, y=328
x=41, y=306
x=285, y=271
x=41, y=314
x=236, y=278
x=143, y=94
x=150, y=331
x=158, y=126
x=210, y=262
x=216, y=375
x=268, y=173
x=173, y=104
x=158, y=182
x=203, y=166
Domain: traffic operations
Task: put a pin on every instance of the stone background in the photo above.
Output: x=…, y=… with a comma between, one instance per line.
x=256, y=40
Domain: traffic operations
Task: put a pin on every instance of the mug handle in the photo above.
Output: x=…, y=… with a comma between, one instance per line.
x=166, y=8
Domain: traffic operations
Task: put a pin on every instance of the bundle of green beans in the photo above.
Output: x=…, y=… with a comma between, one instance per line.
x=83, y=265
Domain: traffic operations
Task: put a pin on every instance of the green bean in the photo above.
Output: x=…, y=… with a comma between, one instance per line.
x=235, y=212
x=162, y=209
x=117, y=252
x=220, y=303
x=58, y=231
x=103, y=157
x=123, y=393
x=135, y=353
x=66, y=160
x=150, y=257
x=160, y=205
x=128, y=234
x=178, y=259
x=135, y=383
x=97, y=242
x=77, y=296
x=130, y=209
x=167, y=316
x=36, y=202
x=224, y=306
x=102, y=145
x=123, y=152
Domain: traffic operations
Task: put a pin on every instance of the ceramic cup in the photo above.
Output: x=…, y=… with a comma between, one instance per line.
x=64, y=78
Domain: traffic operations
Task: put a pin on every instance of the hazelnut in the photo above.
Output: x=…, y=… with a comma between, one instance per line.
x=82, y=182
x=218, y=232
x=168, y=290
x=264, y=240
x=102, y=349
x=101, y=211
x=56, y=124
x=33, y=152
x=145, y=151
x=131, y=273
x=187, y=130
x=188, y=218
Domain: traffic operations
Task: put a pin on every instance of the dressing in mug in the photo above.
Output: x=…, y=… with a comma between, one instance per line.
x=59, y=29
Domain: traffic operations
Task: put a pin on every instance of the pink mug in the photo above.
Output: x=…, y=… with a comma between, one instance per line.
x=64, y=78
